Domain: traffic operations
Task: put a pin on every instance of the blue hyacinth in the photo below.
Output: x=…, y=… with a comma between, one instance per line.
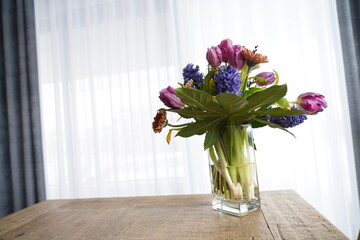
x=227, y=80
x=288, y=121
x=192, y=73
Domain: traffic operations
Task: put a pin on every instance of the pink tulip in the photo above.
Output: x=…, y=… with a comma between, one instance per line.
x=312, y=102
x=168, y=97
x=214, y=56
x=226, y=47
x=235, y=57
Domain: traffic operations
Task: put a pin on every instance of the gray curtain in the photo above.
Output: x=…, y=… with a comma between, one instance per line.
x=349, y=23
x=21, y=161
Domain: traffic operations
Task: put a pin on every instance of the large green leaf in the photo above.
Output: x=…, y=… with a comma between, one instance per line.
x=211, y=137
x=199, y=127
x=255, y=124
x=278, y=112
x=195, y=113
x=252, y=91
x=231, y=102
x=273, y=125
x=200, y=99
x=262, y=98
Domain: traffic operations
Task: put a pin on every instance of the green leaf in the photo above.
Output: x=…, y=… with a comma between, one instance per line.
x=230, y=102
x=273, y=125
x=207, y=86
x=199, y=127
x=255, y=124
x=283, y=103
x=278, y=112
x=244, y=72
x=200, y=99
x=252, y=91
x=211, y=137
x=212, y=87
x=244, y=76
x=263, y=98
x=194, y=113
x=260, y=79
x=242, y=119
x=277, y=78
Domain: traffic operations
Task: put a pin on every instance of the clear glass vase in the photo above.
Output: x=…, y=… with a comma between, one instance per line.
x=233, y=173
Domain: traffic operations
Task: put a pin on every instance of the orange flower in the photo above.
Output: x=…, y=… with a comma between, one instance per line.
x=159, y=121
x=253, y=58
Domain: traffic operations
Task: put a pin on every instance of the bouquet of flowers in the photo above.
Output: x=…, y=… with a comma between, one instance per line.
x=223, y=103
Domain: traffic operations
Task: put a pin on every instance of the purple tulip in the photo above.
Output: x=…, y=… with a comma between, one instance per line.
x=312, y=102
x=214, y=56
x=226, y=47
x=168, y=97
x=235, y=57
x=268, y=76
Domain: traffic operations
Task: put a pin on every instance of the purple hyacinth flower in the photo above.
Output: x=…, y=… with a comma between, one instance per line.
x=227, y=80
x=288, y=121
x=312, y=102
x=268, y=76
x=193, y=73
x=168, y=97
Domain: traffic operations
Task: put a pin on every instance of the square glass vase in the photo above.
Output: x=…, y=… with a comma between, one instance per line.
x=233, y=173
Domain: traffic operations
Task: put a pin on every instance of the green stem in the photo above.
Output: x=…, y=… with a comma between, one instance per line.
x=180, y=125
x=226, y=171
x=245, y=81
x=232, y=158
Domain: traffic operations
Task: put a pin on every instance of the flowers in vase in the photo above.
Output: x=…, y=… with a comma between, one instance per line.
x=224, y=103
x=230, y=94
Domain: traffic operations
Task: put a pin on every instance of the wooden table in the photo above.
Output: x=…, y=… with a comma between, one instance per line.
x=284, y=215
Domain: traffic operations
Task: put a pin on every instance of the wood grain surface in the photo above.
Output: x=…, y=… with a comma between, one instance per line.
x=284, y=215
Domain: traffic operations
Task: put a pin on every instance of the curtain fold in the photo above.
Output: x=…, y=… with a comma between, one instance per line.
x=349, y=24
x=21, y=161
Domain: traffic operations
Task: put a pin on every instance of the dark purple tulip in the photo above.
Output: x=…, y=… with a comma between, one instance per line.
x=268, y=76
x=235, y=57
x=226, y=47
x=312, y=102
x=214, y=56
x=168, y=97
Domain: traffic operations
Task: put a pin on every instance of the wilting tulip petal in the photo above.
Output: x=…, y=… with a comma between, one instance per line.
x=312, y=102
x=159, y=121
x=168, y=136
x=168, y=97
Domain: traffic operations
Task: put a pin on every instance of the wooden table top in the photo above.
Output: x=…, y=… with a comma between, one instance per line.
x=284, y=215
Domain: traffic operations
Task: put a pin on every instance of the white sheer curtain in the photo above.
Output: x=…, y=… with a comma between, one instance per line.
x=103, y=62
